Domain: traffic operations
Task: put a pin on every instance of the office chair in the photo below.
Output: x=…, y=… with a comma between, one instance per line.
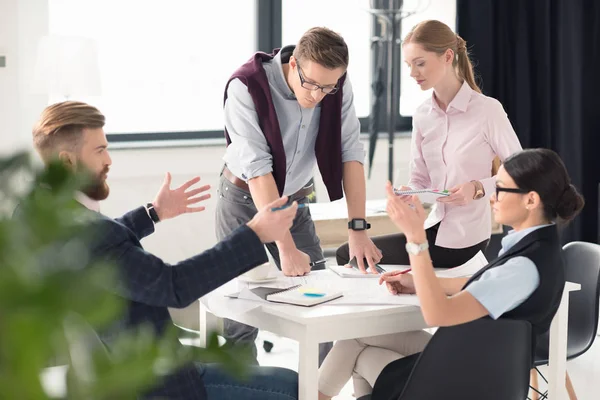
x=582, y=265
x=463, y=361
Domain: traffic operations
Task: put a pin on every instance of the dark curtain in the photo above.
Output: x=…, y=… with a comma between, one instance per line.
x=541, y=60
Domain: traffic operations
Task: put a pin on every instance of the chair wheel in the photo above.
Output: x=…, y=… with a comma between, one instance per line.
x=268, y=346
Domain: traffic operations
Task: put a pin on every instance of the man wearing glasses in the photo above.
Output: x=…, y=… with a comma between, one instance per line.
x=286, y=112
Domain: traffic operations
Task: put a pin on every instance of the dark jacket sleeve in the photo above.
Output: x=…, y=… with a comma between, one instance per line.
x=147, y=279
x=138, y=221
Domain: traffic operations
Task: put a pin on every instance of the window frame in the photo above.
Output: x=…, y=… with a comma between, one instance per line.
x=269, y=37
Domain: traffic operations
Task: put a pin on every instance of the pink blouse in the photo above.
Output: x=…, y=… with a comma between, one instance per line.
x=456, y=146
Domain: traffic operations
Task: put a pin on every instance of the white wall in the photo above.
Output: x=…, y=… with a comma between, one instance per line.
x=22, y=24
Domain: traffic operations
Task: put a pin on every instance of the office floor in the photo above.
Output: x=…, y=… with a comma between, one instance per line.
x=136, y=175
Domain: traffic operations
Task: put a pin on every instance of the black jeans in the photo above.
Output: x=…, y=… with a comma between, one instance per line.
x=394, y=252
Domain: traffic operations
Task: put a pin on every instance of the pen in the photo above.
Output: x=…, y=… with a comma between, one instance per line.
x=314, y=264
x=401, y=272
x=301, y=205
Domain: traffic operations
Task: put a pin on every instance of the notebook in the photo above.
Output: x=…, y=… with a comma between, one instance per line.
x=297, y=295
x=426, y=196
x=303, y=296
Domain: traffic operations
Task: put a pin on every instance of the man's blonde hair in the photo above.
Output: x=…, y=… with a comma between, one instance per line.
x=61, y=126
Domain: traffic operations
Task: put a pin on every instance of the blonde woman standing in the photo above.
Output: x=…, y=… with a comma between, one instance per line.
x=457, y=134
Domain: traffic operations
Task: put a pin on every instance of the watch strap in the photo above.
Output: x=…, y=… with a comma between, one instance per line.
x=152, y=213
x=416, y=248
x=479, y=190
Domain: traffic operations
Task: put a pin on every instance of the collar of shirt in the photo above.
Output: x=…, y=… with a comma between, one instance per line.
x=514, y=237
x=88, y=203
x=460, y=101
x=278, y=77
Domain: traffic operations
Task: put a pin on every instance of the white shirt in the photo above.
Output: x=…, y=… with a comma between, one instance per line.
x=87, y=202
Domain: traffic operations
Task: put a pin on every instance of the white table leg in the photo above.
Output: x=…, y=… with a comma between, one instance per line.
x=208, y=324
x=557, y=359
x=308, y=368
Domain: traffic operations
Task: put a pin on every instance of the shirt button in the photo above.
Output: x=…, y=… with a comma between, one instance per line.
x=303, y=126
x=297, y=152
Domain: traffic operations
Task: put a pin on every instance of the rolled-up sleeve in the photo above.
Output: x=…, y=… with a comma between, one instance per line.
x=501, y=136
x=352, y=147
x=248, y=156
x=504, y=288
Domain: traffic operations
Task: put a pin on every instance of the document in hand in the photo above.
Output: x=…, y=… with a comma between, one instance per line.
x=297, y=295
x=426, y=196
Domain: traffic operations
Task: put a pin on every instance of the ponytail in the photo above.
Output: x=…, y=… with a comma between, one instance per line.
x=465, y=68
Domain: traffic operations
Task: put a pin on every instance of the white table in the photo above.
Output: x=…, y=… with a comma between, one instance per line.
x=311, y=326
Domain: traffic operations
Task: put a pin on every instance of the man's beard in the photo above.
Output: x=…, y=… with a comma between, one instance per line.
x=97, y=189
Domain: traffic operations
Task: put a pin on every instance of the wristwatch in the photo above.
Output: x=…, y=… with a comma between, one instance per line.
x=359, y=224
x=414, y=248
x=479, y=190
x=152, y=213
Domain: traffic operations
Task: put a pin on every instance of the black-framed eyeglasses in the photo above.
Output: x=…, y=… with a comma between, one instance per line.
x=509, y=190
x=313, y=86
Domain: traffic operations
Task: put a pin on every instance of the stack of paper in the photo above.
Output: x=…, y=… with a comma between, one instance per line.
x=347, y=272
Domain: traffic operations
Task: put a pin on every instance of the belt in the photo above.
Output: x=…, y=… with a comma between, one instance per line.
x=304, y=192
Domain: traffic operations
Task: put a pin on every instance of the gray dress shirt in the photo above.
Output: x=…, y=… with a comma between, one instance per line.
x=248, y=156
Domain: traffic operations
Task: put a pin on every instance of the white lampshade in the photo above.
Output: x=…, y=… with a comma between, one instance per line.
x=67, y=66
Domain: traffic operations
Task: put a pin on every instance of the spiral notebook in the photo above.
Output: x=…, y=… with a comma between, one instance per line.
x=426, y=196
x=297, y=295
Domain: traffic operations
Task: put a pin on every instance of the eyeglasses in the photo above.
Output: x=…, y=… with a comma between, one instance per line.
x=314, y=86
x=508, y=190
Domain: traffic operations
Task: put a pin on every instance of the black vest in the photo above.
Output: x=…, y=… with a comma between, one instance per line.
x=541, y=246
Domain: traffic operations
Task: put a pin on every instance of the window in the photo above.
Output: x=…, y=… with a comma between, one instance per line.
x=163, y=64
x=348, y=18
x=411, y=96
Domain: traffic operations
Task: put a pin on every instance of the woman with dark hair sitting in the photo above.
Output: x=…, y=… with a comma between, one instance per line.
x=533, y=194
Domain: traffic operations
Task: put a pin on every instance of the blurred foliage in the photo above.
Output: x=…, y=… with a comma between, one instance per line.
x=52, y=302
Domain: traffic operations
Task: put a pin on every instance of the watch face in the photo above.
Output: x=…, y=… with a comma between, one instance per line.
x=359, y=224
x=412, y=248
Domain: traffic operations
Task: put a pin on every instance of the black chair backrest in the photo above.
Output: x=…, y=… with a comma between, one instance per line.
x=582, y=265
x=484, y=359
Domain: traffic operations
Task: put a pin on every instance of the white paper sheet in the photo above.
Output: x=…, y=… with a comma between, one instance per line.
x=220, y=305
x=467, y=269
x=344, y=272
